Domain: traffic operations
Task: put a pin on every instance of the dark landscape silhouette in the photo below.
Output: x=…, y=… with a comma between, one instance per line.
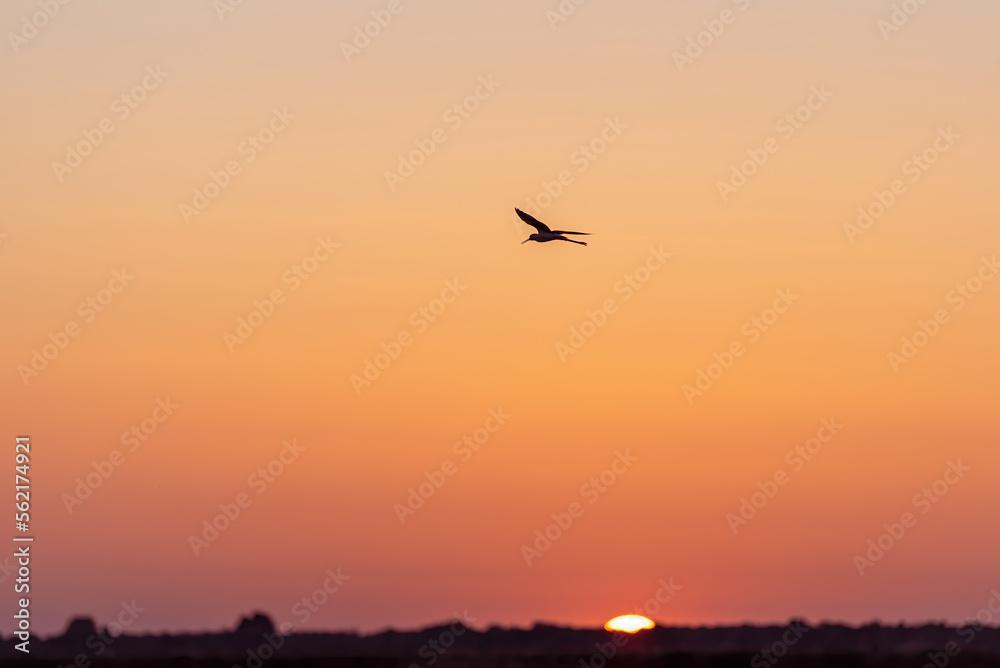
x=256, y=642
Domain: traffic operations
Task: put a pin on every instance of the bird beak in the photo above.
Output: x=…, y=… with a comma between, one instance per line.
x=525, y=241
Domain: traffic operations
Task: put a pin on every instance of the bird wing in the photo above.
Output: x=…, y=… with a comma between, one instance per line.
x=565, y=232
x=534, y=222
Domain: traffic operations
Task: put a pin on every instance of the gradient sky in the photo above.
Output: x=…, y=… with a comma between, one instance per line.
x=681, y=132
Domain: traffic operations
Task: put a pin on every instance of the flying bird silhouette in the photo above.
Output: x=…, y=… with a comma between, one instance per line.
x=544, y=233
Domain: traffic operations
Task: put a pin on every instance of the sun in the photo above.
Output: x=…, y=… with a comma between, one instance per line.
x=629, y=623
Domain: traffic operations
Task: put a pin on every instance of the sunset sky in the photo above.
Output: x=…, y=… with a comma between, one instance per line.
x=220, y=216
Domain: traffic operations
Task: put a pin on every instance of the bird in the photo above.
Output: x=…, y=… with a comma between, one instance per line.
x=544, y=233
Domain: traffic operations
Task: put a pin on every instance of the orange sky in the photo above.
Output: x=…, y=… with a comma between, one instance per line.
x=235, y=167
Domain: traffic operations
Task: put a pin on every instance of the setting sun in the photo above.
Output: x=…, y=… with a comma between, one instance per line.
x=629, y=623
